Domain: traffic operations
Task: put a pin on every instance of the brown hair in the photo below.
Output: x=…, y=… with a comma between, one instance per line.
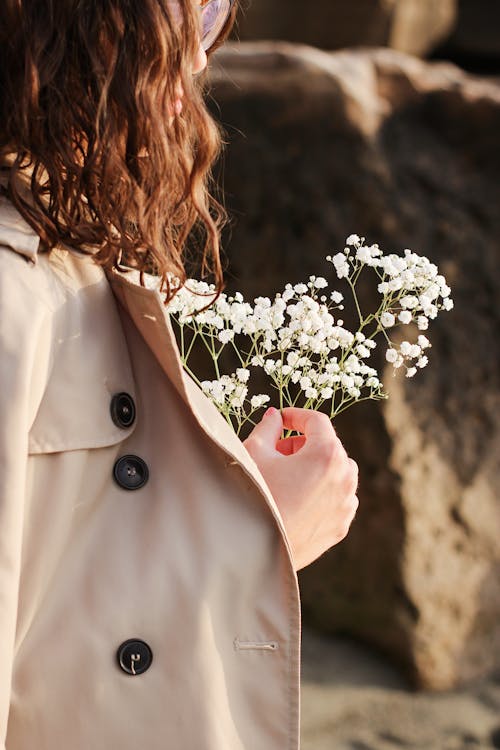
x=86, y=90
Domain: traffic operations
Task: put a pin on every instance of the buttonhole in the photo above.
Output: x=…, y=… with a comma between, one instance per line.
x=255, y=645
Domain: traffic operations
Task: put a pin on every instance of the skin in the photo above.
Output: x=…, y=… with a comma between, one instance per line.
x=200, y=61
x=311, y=477
x=199, y=64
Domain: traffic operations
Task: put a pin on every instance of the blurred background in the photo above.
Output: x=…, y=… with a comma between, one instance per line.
x=382, y=118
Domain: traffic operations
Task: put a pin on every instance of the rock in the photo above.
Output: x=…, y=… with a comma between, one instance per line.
x=414, y=26
x=352, y=699
x=406, y=154
x=419, y=26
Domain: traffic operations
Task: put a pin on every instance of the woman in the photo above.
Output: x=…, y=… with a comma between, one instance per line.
x=148, y=558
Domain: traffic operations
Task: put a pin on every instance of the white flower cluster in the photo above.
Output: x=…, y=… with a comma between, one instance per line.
x=407, y=352
x=298, y=340
x=413, y=292
x=231, y=391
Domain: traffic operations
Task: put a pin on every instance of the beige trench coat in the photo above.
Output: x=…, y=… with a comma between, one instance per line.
x=147, y=594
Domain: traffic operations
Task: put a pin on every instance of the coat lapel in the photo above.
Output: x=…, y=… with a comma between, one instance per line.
x=146, y=308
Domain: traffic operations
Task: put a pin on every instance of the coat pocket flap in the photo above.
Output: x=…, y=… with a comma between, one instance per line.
x=89, y=368
x=80, y=420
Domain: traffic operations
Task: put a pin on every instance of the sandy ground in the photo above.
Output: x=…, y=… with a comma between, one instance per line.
x=353, y=700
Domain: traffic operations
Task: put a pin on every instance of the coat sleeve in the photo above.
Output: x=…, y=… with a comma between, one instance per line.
x=23, y=358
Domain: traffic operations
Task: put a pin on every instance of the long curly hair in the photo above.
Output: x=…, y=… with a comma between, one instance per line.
x=86, y=93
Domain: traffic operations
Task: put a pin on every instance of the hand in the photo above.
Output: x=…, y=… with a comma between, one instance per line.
x=310, y=476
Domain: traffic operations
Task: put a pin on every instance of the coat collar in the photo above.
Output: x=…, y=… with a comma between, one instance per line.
x=141, y=303
x=16, y=233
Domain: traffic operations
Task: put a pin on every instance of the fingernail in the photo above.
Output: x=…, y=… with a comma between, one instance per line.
x=271, y=410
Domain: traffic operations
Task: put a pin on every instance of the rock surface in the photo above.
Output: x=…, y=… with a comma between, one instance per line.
x=406, y=154
x=353, y=700
x=414, y=26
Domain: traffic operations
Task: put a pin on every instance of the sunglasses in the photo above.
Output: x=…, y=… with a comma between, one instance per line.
x=214, y=15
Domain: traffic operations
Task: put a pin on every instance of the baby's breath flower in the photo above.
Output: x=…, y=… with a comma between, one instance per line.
x=319, y=282
x=305, y=382
x=364, y=255
x=257, y=401
x=423, y=342
x=409, y=302
x=399, y=362
x=269, y=366
x=238, y=400
x=225, y=336
x=347, y=381
x=243, y=374
x=363, y=351
x=311, y=393
x=353, y=239
x=300, y=289
x=387, y=319
x=341, y=265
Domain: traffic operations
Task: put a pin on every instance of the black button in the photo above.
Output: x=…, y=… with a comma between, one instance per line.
x=134, y=656
x=122, y=410
x=131, y=472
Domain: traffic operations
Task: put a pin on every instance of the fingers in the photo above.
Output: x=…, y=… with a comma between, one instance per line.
x=322, y=448
x=313, y=424
x=351, y=510
x=266, y=434
x=352, y=476
x=289, y=446
x=318, y=443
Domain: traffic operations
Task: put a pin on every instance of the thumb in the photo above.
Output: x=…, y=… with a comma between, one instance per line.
x=265, y=435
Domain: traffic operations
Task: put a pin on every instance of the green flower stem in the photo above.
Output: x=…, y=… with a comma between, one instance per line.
x=281, y=381
x=195, y=336
x=182, y=341
x=354, y=295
